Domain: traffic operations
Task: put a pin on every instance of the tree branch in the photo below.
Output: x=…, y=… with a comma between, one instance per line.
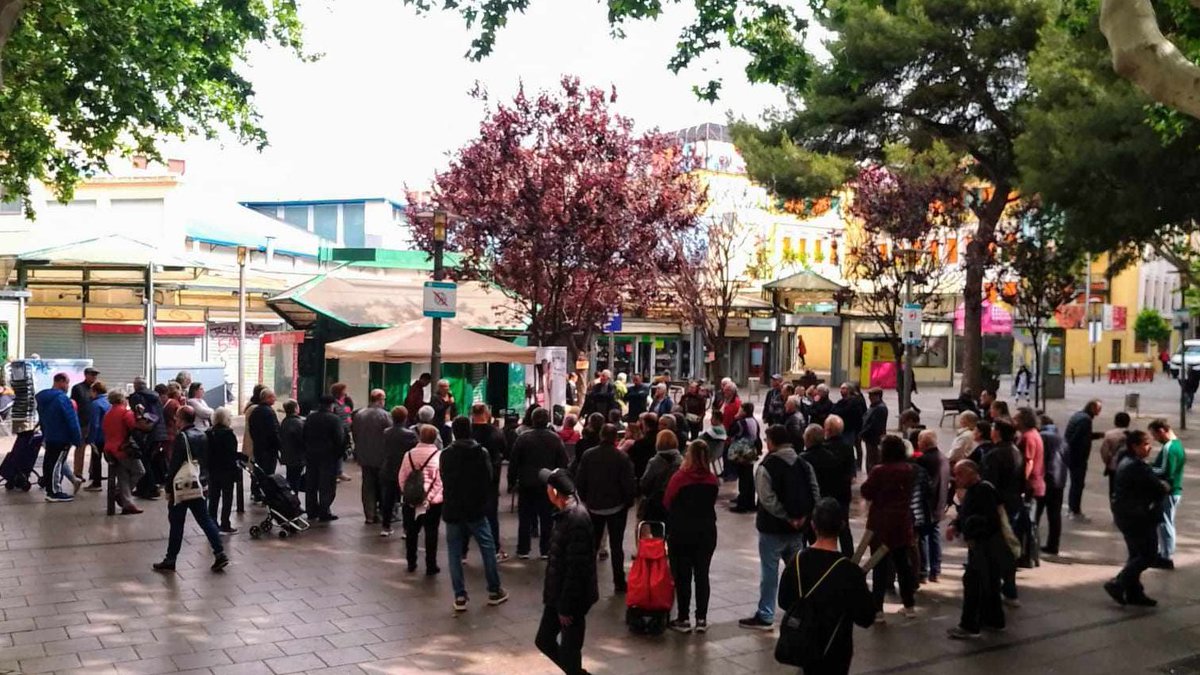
x=1145, y=57
x=10, y=11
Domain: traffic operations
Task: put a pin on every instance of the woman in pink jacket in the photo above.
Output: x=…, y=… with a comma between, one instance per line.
x=424, y=458
x=1032, y=447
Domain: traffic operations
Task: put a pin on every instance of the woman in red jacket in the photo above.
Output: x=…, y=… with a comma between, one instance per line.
x=118, y=424
x=889, y=488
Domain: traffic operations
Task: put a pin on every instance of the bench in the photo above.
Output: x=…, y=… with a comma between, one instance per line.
x=951, y=407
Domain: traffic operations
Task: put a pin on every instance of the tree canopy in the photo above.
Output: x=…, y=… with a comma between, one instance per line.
x=80, y=81
x=560, y=204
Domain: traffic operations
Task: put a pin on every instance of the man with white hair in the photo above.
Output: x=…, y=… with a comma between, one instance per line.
x=662, y=405
x=425, y=415
x=929, y=535
x=821, y=407
x=368, y=427
x=602, y=397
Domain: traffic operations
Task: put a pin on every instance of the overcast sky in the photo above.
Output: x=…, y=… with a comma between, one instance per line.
x=390, y=97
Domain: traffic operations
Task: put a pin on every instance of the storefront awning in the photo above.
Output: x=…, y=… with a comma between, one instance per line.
x=410, y=341
x=807, y=280
x=380, y=303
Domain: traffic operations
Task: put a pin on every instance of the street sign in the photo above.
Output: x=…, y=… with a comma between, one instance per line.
x=1095, y=332
x=441, y=299
x=613, y=323
x=910, y=324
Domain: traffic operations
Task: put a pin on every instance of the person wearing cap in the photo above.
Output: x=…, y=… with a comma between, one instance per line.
x=773, y=404
x=570, y=587
x=81, y=395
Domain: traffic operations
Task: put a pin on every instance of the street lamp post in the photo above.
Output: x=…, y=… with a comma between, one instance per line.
x=910, y=258
x=439, y=245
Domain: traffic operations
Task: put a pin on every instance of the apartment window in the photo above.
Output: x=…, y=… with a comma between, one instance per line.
x=354, y=225
x=883, y=251
x=817, y=255
x=952, y=251
x=787, y=246
x=325, y=221
x=9, y=206
x=803, y=248
x=296, y=216
x=833, y=252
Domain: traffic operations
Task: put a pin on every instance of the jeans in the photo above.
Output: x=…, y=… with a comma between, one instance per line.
x=773, y=549
x=981, y=601
x=295, y=477
x=1142, y=544
x=177, y=515
x=370, y=492
x=321, y=486
x=1051, y=504
x=456, y=536
x=1166, y=528
x=690, y=557
x=895, y=566
x=566, y=653
x=533, y=505
x=1075, y=496
x=745, y=497
x=127, y=471
x=220, y=497
x=930, y=542
x=413, y=525
x=615, y=524
x=53, y=461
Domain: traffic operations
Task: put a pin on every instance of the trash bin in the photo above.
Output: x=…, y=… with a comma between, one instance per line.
x=1132, y=400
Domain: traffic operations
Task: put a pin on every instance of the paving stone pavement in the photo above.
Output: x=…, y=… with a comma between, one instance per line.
x=77, y=595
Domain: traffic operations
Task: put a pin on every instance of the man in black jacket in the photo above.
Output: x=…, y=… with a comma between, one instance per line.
x=852, y=409
x=874, y=426
x=536, y=449
x=1078, y=437
x=154, y=453
x=466, y=473
x=1004, y=468
x=1137, y=510
x=607, y=487
x=834, y=464
x=263, y=426
x=601, y=397
x=774, y=403
x=81, y=394
x=397, y=441
x=988, y=556
x=492, y=439
x=570, y=589
x=291, y=443
x=324, y=442
x=190, y=442
x=636, y=398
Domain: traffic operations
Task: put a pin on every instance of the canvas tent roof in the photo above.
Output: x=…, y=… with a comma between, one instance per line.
x=410, y=341
x=806, y=280
x=383, y=302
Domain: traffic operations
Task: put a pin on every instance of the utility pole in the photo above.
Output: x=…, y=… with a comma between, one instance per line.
x=242, y=255
x=439, y=245
x=1087, y=314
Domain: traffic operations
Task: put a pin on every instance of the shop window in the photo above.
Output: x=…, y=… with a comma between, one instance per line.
x=934, y=354
x=325, y=217
x=296, y=216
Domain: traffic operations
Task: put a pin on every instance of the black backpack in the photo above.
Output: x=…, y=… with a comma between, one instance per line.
x=805, y=634
x=413, y=492
x=794, y=490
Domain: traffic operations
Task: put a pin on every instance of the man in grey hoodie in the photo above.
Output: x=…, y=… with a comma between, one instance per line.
x=787, y=492
x=368, y=427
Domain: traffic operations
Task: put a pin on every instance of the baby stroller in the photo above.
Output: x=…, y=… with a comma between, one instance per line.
x=651, y=590
x=19, y=462
x=283, y=506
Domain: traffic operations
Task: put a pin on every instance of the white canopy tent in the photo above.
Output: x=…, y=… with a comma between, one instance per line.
x=411, y=342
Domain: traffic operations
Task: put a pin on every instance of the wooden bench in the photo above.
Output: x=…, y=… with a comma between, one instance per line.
x=951, y=407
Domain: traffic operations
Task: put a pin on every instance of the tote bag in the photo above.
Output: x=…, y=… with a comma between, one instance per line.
x=186, y=482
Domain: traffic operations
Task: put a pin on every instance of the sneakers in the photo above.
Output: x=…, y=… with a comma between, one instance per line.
x=130, y=510
x=343, y=478
x=680, y=626
x=227, y=529
x=1079, y=517
x=501, y=557
x=220, y=562
x=960, y=633
x=701, y=626
x=880, y=618
x=93, y=487
x=164, y=566
x=1049, y=551
x=460, y=603
x=908, y=612
x=1163, y=564
x=385, y=532
x=498, y=598
x=59, y=497
x=543, y=556
x=1115, y=591
x=522, y=556
x=756, y=623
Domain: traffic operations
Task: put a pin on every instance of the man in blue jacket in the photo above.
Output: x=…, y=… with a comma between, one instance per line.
x=61, y=432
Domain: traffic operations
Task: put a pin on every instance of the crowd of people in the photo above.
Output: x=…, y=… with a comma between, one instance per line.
x=796, y=467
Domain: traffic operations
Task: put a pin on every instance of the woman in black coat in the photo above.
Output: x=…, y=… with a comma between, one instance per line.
x=223, y=468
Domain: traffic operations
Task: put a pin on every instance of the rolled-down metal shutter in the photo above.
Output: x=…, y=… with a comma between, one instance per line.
x=54, y=338
x=119, y=357
x=177, y=350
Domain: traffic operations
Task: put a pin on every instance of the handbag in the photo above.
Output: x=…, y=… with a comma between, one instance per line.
x=802, y=637
x=744, y=449
x=1010, y=537
x=186, y=483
